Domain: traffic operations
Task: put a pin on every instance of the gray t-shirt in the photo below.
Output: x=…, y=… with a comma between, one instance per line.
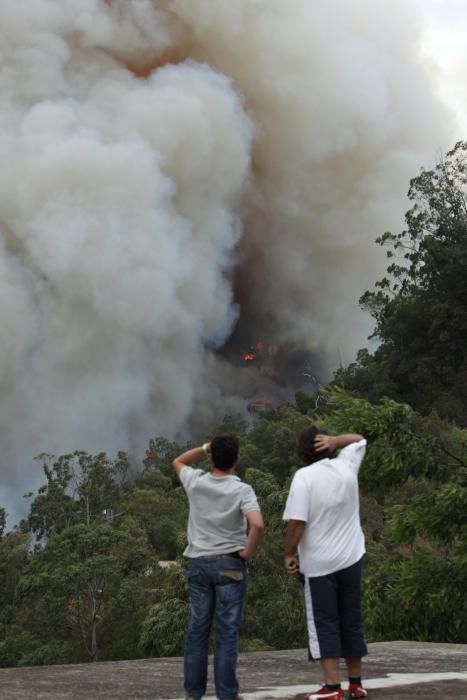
x=218, y=507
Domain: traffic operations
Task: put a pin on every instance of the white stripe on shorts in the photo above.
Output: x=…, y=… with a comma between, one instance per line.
x=313, y=642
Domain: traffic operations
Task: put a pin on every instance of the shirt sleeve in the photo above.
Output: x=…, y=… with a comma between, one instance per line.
x=249, y=501
x=353, y=454
x=298, y=500
x=188, y=476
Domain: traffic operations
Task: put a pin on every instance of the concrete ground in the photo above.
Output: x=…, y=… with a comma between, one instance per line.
x=393, y=670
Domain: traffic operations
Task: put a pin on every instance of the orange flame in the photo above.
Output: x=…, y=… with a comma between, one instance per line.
x=249, y=357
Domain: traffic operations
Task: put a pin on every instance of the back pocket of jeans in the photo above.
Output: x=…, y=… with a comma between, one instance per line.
x=232, y=574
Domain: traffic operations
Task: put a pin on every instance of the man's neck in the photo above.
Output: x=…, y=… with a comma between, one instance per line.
x=220, y=473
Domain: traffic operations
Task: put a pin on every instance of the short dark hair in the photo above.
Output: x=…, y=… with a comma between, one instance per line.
x=306, y=445
x=224, y=452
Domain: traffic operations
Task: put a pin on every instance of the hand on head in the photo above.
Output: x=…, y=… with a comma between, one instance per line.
x=324, y=443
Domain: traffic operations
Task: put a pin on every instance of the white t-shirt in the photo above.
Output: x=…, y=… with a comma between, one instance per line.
x=325, y=496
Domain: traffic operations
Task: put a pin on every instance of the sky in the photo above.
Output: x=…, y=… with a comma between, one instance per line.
x=445, y=45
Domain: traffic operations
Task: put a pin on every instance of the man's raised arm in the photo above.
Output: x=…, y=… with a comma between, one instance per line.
x=324, y=443
x=189, y=457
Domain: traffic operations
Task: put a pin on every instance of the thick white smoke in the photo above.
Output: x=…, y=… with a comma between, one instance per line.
x=172, y=168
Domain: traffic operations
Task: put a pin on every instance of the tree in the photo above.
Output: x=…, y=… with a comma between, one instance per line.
x=164, y=628
x=274, y=615
x=80, y=576
x=14, y=555
x=80, y=488
x=420, y=308
x=162, y=515
x=270, y=444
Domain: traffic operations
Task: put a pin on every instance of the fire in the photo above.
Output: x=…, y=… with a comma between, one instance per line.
x=249, y=357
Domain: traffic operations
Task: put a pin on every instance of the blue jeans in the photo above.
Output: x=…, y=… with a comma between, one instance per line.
x=217, y=588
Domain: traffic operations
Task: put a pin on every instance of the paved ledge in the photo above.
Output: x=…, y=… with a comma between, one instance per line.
x=393, y=671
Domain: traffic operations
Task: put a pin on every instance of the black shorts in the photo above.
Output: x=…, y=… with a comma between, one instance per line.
x=333, y=612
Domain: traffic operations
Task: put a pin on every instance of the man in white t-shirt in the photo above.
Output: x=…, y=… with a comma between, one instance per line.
x=323, y=517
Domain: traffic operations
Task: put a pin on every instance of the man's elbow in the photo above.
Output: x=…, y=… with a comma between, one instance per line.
x=296, y=525
x=177, y=466
x=256, y=521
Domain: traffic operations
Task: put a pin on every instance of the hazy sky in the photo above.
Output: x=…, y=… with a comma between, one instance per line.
x=445, y=45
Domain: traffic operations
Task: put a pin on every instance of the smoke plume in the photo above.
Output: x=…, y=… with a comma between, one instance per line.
x=181, y=177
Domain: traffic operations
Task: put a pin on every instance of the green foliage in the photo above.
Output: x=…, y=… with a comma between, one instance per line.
x=2, y=521
x=14, y=640
x=92, y=588
x=274, y=615
x=15, y=645
x=13, y=558
x=398, y=448
x=80, y=488
x=163, y=631
x=52, y=653
x=418, y=595
x=162, y=517
x=81, y=577
x=440, y=514
x=158, y=463
x=270, y=444
x=420, y=307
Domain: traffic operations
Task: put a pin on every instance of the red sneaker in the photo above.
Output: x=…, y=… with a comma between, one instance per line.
x=356, y=691
x=325, y=694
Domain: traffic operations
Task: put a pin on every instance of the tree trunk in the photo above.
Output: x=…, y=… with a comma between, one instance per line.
x=93, y=649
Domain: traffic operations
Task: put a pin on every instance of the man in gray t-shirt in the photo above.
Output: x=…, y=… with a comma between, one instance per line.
x=222, y=508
